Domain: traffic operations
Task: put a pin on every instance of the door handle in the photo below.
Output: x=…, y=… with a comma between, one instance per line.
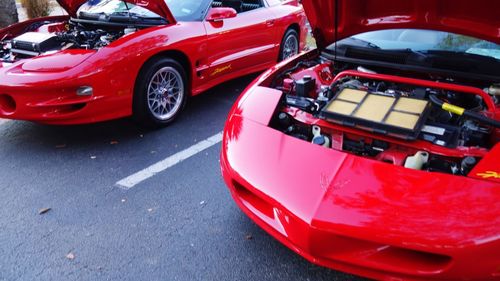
x=270, y=22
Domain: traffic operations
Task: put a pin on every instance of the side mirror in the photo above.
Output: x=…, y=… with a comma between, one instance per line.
x=220, y=14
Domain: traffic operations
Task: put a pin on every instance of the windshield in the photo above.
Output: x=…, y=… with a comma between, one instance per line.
x=188, y=10
x=113, y=7
x=184, y=10
x=428, y=40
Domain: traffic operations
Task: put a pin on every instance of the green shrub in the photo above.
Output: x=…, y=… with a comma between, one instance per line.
x=37, y=8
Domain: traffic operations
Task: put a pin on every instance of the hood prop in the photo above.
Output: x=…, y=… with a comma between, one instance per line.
x=128, y=8
x=336, y=28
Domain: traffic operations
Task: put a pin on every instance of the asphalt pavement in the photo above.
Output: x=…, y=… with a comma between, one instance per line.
x=180, y=224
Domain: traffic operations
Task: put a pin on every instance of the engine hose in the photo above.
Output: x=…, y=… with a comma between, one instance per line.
x=464, y=112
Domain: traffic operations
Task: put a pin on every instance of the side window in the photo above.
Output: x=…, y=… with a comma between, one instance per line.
x=240, y=6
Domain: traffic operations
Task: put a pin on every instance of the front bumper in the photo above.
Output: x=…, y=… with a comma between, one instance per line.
x=51, y=98
x=356, y=215
x=59, y=106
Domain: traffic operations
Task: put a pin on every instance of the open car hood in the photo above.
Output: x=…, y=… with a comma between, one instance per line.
x=478, y=18
x=156, y=6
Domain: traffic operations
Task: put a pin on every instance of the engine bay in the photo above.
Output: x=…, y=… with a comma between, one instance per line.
x=411, y=119
x=49, y=37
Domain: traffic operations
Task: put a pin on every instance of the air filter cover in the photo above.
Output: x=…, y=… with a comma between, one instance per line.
x=402, y=117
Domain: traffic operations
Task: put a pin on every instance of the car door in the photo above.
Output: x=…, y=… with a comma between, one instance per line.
x=240, y=43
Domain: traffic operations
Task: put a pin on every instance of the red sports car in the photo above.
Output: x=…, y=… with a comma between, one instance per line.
x=117, y=58
x=378, y=154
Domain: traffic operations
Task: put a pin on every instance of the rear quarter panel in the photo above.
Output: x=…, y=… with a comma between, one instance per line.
x=288, y=14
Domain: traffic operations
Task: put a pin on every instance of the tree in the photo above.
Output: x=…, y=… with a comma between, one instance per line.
x=8, y=13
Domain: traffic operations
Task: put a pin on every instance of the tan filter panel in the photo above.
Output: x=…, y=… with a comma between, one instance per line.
x=375, y=108
x=352, y=95
x=411, y=105
x=403, y=120
x=342, y=107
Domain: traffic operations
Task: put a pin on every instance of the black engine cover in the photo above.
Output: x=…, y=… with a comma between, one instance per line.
x=33, y=43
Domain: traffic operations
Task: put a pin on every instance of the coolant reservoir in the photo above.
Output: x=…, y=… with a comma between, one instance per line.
x=318, y=138
x=417, y=161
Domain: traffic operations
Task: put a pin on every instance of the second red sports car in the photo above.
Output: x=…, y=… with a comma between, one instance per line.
x=379, y=153
x=134, y=57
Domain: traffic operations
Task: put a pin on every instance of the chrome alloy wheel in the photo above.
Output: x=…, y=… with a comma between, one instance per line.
x=291, y=47
x=165, y=93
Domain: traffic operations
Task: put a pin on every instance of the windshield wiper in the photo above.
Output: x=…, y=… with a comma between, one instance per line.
x=356, y=42
x=456, y=55
x=91, y=15
x=125, y=14
x=458, y=61
x=135, y=16
x=371, y=53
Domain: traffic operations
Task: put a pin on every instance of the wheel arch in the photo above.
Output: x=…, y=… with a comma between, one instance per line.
x=176, y=55
x=138, y=113
x=295, y=26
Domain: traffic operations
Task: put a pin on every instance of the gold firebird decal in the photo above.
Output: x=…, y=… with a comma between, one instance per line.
x=489, y=175
x=221, y=69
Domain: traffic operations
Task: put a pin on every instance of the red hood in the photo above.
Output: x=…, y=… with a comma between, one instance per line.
x=477, y=18
x=156, y=6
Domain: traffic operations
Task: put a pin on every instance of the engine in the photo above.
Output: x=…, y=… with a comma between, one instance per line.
x=48, y=37
x=410, y=119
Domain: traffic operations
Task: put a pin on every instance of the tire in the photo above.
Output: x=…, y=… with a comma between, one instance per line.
x=161, y=93
x=289, y=45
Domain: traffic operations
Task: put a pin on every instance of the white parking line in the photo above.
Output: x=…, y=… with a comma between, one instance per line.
x=3, y=121
x=131, y=181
